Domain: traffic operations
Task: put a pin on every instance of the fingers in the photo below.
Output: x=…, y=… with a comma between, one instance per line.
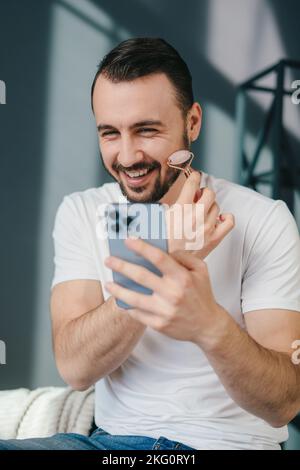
x=226, y=225
x=212, y=216
x=139, y=274
x=209, y=219
x=144, y=277
x=198, y=194
x=190, y=188
x=207, y=198
x=163, y=261
x=134, y=298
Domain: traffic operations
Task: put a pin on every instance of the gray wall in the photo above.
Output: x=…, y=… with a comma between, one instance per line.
x=48, y=145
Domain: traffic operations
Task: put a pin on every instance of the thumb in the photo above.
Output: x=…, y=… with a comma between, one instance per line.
x=190, y=188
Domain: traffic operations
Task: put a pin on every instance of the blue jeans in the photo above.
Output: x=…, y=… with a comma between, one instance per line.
x=98, y=440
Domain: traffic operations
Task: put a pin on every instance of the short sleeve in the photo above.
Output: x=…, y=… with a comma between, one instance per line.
x=73, y=257
x=272, y=275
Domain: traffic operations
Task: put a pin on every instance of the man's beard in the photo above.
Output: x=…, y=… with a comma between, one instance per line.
x=159, y=189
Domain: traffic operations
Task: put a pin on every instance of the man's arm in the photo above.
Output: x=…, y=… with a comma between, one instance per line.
x=91, y=338
x=256, y=370
x=256, y=367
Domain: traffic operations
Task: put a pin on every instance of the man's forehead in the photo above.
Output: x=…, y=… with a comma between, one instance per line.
x=153, y=94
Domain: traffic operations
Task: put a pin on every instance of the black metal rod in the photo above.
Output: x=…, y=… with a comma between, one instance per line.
x=258, y=76
x=295, y=64
x=267, y=89
x=277, y=130
x=264, y=174
x=240, y=132
x=261, y=141
x=259, y=180
x=279, y=183
x=284, y=62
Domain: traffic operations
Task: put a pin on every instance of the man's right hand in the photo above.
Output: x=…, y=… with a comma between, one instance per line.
x=205, y=220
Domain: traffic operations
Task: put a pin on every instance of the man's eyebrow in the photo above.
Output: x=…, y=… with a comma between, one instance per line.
x=148, y=122
x=101, y=127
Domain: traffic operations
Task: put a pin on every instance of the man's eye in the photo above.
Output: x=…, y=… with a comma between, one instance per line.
x=108, y=133
x=142, y=129
x=147, y=129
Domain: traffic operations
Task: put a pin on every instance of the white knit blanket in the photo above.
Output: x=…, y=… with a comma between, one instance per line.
x=45, y=411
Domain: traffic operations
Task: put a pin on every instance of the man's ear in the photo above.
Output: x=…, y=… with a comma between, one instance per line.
x=194, y=121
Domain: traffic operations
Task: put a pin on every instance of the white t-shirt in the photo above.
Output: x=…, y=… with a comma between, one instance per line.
x=167, y=387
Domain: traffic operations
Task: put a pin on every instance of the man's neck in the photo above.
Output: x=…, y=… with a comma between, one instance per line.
x=172, y=195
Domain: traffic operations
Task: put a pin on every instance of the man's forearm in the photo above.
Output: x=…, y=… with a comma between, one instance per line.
x=95, y=344
x=264, y=382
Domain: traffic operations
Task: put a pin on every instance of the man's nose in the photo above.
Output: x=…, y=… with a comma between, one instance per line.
x=129, y=154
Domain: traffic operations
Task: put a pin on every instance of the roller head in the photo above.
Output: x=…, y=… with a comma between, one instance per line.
x=181, y=160
x=179, y=157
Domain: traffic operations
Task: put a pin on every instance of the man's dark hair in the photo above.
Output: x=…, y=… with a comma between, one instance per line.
x=138, y=57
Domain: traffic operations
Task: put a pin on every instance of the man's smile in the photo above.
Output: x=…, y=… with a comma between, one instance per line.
x=138, y=178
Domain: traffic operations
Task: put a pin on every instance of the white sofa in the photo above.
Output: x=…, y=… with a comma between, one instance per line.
x=45, y=411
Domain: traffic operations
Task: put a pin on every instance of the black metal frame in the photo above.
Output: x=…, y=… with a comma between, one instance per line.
x=284, y=177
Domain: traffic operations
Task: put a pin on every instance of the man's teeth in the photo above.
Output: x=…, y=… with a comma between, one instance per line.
x=135, y=174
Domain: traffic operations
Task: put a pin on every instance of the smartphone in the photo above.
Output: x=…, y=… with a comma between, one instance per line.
x=146, y=221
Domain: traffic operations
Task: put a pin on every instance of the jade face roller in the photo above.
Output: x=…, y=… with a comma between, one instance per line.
x=181, y=160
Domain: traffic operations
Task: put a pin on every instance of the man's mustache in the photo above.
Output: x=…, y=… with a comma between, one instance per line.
x=136, y=167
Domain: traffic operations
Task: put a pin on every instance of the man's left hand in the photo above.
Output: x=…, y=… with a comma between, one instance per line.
x=182, y=305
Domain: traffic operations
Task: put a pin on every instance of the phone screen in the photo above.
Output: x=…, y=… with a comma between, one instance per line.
x=146, y=221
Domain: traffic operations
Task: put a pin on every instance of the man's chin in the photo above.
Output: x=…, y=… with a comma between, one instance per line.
x=151, y=192
x=141, y=196
x=142, y=193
